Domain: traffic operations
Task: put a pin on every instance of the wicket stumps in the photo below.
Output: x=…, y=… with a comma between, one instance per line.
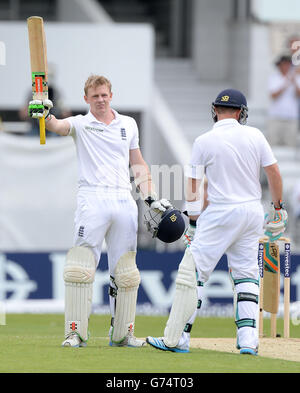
x=271, y=264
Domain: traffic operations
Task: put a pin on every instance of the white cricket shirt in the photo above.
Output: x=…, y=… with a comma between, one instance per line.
x=103, y=150
x=231, y=155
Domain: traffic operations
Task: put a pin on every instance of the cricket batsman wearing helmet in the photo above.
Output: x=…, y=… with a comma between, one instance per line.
x=230, y=155
x=107, y=143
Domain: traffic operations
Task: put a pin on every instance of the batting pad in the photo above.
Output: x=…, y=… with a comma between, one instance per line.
x=246, y=311
x=79, y=275
x=185, y=301
x=127, y=280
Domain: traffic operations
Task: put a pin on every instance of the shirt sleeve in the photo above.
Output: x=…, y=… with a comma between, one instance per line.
x=72, y=122
x=266, y=154
x=134, y=143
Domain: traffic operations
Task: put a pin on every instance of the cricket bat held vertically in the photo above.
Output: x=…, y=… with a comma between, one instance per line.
x=271, y=282
x=38, y=60
x=269, y=270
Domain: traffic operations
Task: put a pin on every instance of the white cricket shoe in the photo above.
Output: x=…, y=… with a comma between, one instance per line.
x=129, y=341
x=73, y=340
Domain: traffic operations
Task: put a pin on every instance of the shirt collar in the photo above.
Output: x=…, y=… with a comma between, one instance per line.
x=225, y=122
x=91, y=118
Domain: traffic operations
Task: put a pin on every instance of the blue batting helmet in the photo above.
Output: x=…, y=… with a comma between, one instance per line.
x=231, y=98
x=167, y=227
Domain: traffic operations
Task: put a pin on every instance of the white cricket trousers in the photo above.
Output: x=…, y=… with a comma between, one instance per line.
x=109, y=215
x=233, y=230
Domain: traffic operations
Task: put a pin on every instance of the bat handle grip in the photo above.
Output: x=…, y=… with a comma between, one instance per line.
x=42, y=130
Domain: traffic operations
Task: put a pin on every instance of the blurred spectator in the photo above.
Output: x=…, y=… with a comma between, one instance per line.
x=58, y=110
x=296, y=201
x=284, y=89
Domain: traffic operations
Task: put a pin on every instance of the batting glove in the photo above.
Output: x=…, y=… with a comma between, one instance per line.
x=159, y=206
x=39, y=108
x=275, y=222
x=189, y=234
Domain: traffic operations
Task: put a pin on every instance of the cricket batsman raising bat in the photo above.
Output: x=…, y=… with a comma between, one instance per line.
x=107, y=143
x=40, y=106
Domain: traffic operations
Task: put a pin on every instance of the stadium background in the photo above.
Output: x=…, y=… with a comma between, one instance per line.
x=167, y=60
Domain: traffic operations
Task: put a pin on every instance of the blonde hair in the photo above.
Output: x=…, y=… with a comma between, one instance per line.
x=95, y=81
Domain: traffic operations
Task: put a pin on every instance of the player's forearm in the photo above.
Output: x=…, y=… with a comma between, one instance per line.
x=143, y=180
x=192, y=190
x=61, y=127
x=142, y=175
x=147, y=189
x=196, y=201
x=275, y=183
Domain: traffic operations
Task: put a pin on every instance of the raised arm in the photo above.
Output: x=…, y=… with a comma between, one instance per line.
x=59, y=126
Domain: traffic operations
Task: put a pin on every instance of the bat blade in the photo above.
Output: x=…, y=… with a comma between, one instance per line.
x=271, y=290
x=38, y=61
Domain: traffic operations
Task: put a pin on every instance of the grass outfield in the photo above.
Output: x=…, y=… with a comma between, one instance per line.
x=31, y=344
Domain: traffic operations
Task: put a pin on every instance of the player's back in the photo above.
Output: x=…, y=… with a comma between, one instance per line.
x=232, y=155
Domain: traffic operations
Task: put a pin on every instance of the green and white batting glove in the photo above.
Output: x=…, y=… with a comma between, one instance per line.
x=275, y=221
x=39, y=108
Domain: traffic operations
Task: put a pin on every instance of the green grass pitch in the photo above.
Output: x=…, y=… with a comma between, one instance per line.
x=32, y=344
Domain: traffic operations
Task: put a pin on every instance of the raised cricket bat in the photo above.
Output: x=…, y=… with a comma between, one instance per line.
x=38, y=60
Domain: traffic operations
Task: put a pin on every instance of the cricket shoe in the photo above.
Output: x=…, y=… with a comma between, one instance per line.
x=248, y=351
x=74, y=341
x=157, y=342
x=129, y=341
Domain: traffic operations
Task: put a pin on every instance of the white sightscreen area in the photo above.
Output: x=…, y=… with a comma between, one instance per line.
x=37, y=193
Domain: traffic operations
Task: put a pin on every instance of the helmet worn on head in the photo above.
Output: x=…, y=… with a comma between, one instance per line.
x=167, y=227
x=231, y=98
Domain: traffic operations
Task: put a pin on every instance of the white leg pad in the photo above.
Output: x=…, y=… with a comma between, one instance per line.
x=246, y=313
x=185, y=301
x=79, y=275
x=127, y=280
